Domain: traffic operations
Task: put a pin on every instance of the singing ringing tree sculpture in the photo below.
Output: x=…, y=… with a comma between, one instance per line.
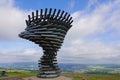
x=47, y=29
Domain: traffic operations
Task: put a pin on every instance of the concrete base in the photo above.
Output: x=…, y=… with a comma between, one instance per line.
x=58, y=78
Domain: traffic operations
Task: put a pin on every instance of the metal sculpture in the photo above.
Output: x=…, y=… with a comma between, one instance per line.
x=48, y=29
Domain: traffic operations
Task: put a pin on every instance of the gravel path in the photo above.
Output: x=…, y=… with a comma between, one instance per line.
x=58, y=78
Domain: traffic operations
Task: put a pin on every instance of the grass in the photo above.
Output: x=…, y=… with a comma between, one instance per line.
x=78, y=76
x=20, y=72
x=96, y=67
x=75, y=76
x=17, y=74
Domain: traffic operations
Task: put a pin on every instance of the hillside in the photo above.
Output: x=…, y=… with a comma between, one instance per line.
x=18, y=71
x=20, y=74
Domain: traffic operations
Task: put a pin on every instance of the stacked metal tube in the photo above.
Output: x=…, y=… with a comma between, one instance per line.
x=47, y=28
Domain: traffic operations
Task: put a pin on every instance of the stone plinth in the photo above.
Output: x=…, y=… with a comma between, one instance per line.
x=58, y=78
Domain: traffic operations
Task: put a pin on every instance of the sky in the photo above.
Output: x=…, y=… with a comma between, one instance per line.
x=93, y=39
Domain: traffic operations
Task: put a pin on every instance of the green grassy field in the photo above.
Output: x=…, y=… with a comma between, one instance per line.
x=19, y=74
x=78, y=76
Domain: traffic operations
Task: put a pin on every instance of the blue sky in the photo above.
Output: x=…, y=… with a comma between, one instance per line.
x=94, y=37
x=61, y=4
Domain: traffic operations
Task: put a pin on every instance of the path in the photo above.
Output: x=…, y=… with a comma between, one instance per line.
x=58, y=78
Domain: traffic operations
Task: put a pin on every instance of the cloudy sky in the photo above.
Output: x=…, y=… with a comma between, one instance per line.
x=93, y=39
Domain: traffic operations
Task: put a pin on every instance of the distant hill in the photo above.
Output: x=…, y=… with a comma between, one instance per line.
x=67, y=67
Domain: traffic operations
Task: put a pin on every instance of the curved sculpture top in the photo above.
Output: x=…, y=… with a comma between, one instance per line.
x=47, y=28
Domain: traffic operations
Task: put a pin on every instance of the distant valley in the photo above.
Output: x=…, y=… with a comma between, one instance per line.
x=79, y=68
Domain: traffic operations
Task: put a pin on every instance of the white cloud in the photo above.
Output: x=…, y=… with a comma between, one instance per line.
x=102, y=19
x=12, y=22
x=20, y=56
x=27, y=52
x=12, y=19
x=77, y=47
